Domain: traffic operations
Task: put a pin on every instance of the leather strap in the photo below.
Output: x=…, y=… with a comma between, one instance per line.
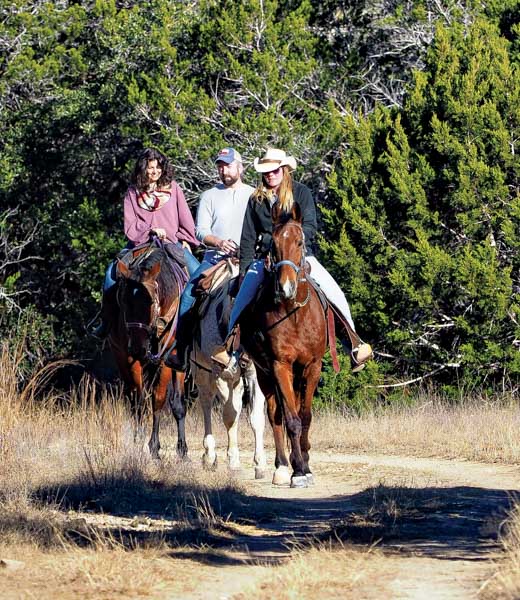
x=332, y=340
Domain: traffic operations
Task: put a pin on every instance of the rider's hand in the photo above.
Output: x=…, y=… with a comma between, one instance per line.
x=227, y=246
x=159, y=232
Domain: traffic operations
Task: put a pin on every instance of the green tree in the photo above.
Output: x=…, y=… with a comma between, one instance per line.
x=424, y=225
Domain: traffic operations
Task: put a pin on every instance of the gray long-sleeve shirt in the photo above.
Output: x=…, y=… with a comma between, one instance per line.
x=221, y=213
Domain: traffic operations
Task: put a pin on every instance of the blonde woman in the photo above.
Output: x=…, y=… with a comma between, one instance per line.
x=277, y=185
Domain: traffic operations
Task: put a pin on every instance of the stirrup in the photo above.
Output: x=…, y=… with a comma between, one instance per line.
x=221, y=356
x=360, y=355
x=232, y=370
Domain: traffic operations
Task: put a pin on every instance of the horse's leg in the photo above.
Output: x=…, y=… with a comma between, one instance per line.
x=231, y=395
x=284, y=377
x=257, y=419
x=281, y=475
x=206, y=386
x=311, y=375
x=159, y=395
x=178, y=406
x=135, y=371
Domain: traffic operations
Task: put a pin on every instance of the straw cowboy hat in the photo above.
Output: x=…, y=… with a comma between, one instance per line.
x=273, y=159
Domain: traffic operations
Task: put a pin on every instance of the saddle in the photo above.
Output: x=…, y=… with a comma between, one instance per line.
x=132, y=257
x=211, y=283
x=213, y=277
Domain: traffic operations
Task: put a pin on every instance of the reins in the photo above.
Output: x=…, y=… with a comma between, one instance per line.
x=170, y=319
x=297, y=269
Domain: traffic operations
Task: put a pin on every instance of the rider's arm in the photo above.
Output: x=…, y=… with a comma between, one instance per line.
x=308, y=208
x=186, y=232
x=136, y=227
x=248, y=238
x=226, y=246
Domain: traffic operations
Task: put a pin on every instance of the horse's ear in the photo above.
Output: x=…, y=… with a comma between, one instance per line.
x=153, y=271
x=122, y=269
x=296, y=212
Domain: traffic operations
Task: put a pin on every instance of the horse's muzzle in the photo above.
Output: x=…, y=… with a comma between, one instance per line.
x=286, y=290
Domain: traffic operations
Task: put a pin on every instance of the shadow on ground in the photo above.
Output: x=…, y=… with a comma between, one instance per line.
x=449, y=523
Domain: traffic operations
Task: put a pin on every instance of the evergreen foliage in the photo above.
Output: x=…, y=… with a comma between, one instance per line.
x=403, y=115
x=424, y=225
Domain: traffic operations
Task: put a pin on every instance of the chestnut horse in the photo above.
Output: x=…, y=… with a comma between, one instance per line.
x=148, y=293
x=285, y=333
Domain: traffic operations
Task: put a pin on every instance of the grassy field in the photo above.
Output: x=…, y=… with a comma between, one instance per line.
x=71, y=462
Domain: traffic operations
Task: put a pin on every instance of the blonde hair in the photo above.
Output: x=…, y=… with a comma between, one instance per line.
x=285, y=191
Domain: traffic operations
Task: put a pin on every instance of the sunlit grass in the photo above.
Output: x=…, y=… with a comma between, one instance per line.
x=72, y=464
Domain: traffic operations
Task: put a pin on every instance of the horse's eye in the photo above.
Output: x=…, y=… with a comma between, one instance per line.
x=300, y=243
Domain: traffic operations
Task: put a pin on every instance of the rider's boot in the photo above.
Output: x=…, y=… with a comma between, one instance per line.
x=107, y=314
x=226, y=358
x=360, y=355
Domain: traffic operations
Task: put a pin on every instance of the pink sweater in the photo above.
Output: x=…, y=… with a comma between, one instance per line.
x=174, y=217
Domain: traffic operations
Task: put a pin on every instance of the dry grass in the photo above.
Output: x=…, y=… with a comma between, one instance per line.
x=322, y=571
x=82, y=505
x=505, y=583
x=476, y=429
x=70, y=466
x=105, y=570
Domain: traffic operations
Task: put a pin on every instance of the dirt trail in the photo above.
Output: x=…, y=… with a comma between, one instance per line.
x=441, y=549
x=434, y=520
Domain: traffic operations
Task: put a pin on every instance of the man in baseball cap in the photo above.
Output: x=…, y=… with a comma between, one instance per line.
x=228, y=155
x=218, y=226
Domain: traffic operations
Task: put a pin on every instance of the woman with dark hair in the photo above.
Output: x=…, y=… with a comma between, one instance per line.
x=154, y=206
x=277, y=185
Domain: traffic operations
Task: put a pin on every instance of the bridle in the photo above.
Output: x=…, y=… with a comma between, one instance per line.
x=298, y=269
x=160, y=327
x=153, y=291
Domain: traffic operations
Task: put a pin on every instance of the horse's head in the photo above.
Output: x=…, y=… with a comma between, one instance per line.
x=138, y=300
x=287, y=251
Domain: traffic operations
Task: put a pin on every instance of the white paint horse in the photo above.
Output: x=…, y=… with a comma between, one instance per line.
x=210, y=333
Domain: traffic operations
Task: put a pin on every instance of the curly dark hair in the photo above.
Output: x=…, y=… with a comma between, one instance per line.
x=139, y=177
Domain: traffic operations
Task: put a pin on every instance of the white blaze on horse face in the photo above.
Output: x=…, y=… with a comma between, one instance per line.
x=288, y=286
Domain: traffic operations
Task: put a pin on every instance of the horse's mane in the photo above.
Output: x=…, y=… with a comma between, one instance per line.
x=166, y=280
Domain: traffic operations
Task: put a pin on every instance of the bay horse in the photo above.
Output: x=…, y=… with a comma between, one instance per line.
x=148, y=293
x=285, y=332
x=210, y=334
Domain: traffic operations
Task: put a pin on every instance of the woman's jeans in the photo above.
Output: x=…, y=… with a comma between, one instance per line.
x=187, y=297
x=256, y=274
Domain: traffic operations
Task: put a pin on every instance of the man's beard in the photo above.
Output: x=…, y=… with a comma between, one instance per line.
x=229, y=180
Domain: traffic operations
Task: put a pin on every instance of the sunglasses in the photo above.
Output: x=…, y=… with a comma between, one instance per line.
x=275, y=172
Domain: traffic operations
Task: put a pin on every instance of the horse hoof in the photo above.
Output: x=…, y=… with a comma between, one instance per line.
x=260, y=473
x=208, y=465
x=299, y=482
x=310, y=478
x=282, y=476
